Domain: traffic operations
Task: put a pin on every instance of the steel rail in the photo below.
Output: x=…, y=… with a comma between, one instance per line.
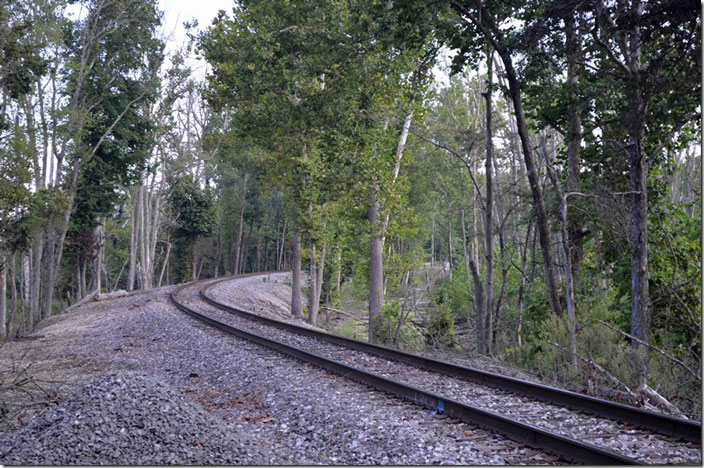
x=565, y=447
x=660, y=423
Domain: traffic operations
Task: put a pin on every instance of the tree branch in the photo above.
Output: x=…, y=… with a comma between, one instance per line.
x=669, y=356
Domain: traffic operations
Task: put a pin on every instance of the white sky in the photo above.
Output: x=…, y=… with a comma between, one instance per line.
x=176, y=12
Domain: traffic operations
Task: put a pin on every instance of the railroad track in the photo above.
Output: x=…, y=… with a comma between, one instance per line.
x=502, y=404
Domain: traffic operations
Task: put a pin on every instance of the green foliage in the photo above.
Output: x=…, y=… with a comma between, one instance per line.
x=454, y=296
x=349, y=329
x=127, y=66
x=440, y=332
x=21, y=61
x=194, y=208
x=394, y=326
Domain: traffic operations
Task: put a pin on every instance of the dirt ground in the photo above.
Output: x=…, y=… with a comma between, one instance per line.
x=63, y=352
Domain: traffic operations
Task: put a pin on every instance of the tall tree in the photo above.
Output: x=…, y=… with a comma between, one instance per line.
x=479, y=20
x=651, y=51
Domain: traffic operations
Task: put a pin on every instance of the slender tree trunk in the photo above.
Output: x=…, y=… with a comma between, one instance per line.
x=36, y=277
x=522, y=286
x=245, y=248
x=317, y=287
x=640, y=297
x=13, y=282
x=502, y=290
x=3, y=296
x=132, y=271
x=449, y=240
x=566, y=258
x=377, y=230
x=82, y=287
x=376, y=265
x=165, y=265
x=48, y=272
x=99, y=243
x=488, y=214
x=280, y=258
x=154, y=237
x=338, y=282
x=143, y=234
x=432, y=240
x=493, y=34
x=474, y=270
x=312, y=277
x=194, y=258
x=296, y=306
x=575, y=229
x=259, y=249
x=240, y=229
x=637, y=109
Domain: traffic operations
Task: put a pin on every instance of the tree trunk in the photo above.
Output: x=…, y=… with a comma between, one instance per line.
x=143, y=218
x=312, y=278
x=99, y=237
x=36, y=279
x=566, y=258
x=575, y=227
x=338, y=282
x=449, y=240
x=165, y=265
x=259, y=249
x=194, y=258
x=319, y=269
x=522, y=286
x=637, y=108
x=488, y=215
x=432, y=240
x=13, y=283
x=376, y=265
x=240, y=229
x=296, y=306
x=494, y=35
x=640, y=298
x=245, y=248
x=3, y=296
x=280, y=255
x=132, y=271
x=377, y=230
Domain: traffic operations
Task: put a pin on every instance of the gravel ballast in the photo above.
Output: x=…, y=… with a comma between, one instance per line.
x=629, y=441
x=289, y=412
x=128, y=419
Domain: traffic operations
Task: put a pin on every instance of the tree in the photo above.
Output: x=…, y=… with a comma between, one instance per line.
x=651, y=51
x=193, y=209
x=478, y=20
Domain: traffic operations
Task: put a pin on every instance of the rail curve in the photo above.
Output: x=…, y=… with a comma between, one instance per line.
x=566, y=447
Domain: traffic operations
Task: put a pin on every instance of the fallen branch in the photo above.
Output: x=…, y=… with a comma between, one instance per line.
x=600, y=369
x=659, y=400
x=112, y=295
x=86, y=299
x=669, y=356
x=341, y=312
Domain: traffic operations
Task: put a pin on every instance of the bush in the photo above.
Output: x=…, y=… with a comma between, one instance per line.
x=440, y=332
x=395, y=328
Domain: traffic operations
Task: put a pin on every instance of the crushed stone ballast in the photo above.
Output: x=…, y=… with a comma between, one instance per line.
x=433, y=390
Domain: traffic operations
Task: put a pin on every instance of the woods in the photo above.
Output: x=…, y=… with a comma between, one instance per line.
x=516, y=180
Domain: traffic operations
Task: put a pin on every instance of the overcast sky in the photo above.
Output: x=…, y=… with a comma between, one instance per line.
x=178, y=11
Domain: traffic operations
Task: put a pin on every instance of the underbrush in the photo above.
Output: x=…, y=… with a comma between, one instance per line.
x=603, y=366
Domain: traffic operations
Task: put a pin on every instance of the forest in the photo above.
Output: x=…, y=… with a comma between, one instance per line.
x=519, y=180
